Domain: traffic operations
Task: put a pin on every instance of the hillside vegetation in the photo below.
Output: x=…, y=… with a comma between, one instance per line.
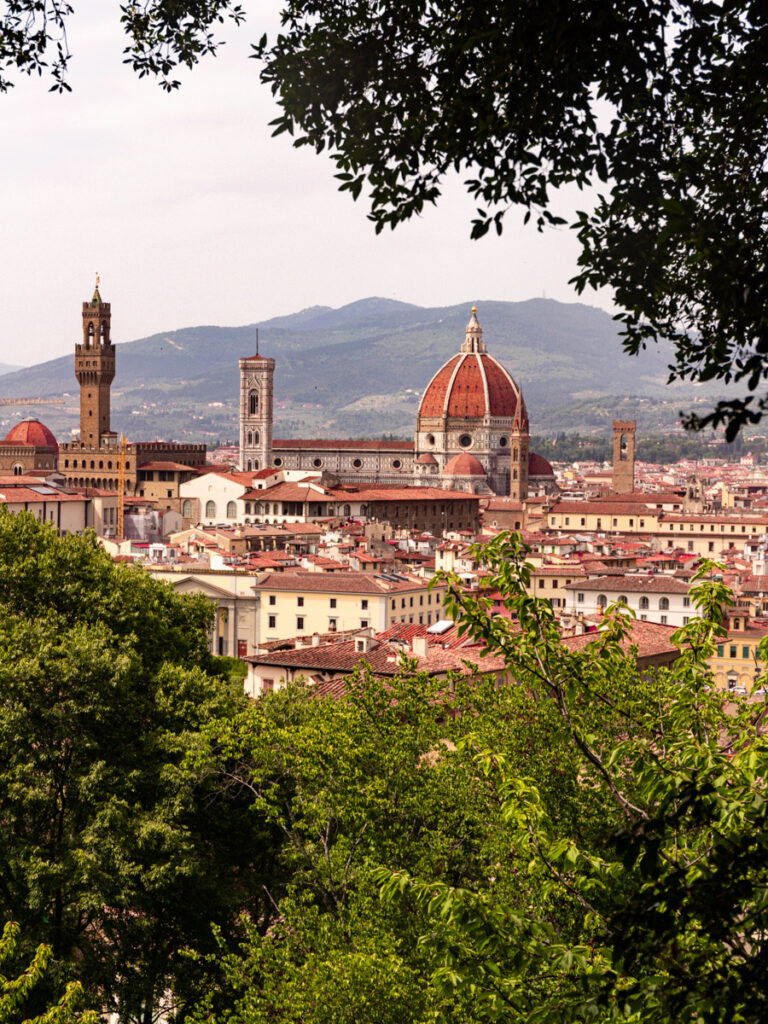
x=360, y=371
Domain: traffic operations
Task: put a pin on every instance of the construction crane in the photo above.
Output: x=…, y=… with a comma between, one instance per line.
x=121, y=489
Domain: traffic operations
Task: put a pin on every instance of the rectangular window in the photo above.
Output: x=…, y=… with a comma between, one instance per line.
x=642, y=523
x=299, y=622
x=643, y=618
x=711, y=546
x=690, y=545
x=393, y=602
x=411, y=603
x=720, y=651
x=663, y=620
x=686, y=602
x=364, y=604
x=300, y=602
x=567, y=520
x=580, y=598
x=583, y=521
x=541, y=584
x=267, y=685
x=745, y=652
x=615, y=522
x=686, y=619
x=363, y=623
x=332, y=625
x=554, y=584
x=273, y=599
x=333, y=602
x=272, y=622
x=733, y=650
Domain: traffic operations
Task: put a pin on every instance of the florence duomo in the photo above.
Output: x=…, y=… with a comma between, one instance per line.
x=472, y=432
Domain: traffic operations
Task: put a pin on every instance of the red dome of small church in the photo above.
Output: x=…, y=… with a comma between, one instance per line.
x=539, y=466
x=32, y=431
x=464, y=465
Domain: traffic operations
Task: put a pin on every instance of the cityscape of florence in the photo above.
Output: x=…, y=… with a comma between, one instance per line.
x=403, y=659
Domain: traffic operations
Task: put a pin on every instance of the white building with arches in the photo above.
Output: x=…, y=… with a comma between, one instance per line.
x=659, y=598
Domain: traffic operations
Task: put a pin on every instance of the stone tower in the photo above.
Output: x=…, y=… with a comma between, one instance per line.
x=95, y=370
x=519, y=442
x=257, y=375
x=624, y=456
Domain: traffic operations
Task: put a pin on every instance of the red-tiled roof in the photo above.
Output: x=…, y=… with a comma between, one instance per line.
x=341, y=583
x=632, y=584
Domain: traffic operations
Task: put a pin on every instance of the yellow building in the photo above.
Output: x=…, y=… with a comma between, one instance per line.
x=737, y=664
x=303, y=603
x=549, y=582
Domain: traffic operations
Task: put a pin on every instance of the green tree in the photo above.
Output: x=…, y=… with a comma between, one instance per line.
x=15, y=992
x=111, y=853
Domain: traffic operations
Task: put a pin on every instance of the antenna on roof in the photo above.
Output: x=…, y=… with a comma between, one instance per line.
x=257, y=341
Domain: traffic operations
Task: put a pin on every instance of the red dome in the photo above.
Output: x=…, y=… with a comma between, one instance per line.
x=464, y=465
x=34, y=432
x=538, y=466
x=471, y=385
x=427, y=460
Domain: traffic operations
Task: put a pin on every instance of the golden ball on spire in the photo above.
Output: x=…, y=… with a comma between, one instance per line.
x=474, y=311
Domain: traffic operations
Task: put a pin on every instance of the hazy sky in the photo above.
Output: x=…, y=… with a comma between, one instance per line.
x=193, y=214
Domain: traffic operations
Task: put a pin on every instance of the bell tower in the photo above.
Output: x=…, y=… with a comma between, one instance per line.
x=257, y=375
x=95, y=370
x=624, y=456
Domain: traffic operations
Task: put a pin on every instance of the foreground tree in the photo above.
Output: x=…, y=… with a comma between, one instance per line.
x=110, y=854
x=586, y=845
x=15, y=992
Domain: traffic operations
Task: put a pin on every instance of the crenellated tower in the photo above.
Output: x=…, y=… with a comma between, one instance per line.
x=257, y=375
x=95, y=370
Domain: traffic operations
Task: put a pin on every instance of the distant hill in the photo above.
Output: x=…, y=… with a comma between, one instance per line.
x=8, y=368
x=360, y=370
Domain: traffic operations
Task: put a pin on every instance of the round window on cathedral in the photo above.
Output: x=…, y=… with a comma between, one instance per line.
x=357, y=463
x=396, y=463
x=317, y=463
x=430, y=439
x=503, y=442
x=278, y=462
x=465, y=441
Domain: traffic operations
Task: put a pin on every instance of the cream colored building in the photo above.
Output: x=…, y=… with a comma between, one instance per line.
x=300, y=604
x=236, y=626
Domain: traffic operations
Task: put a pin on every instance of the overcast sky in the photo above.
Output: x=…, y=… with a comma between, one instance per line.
x=193, y=214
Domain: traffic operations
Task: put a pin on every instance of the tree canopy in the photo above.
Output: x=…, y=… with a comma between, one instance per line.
x=112, y=855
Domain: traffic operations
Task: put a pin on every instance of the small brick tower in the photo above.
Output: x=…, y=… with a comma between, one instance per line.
x=624, y=456
x=257, y=375
x=95, y=370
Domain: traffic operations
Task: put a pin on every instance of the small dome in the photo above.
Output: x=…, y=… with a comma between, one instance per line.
x=463, y=465
x=32, y=431
x=538, y=466
x=426, y=460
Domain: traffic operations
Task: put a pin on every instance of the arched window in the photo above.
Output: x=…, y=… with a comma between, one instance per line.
x=257, y=508
x=623, y=599
x=250, y=437
x=347, y=511
x=186, y=508
x=643, y=602
x=255, y=464
x=255, y=437
x=231, y=510
x=602, y=600
x=250, y=466
x=18, y=469
x=664, y=604
x=210, y=510
x=253, y=403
